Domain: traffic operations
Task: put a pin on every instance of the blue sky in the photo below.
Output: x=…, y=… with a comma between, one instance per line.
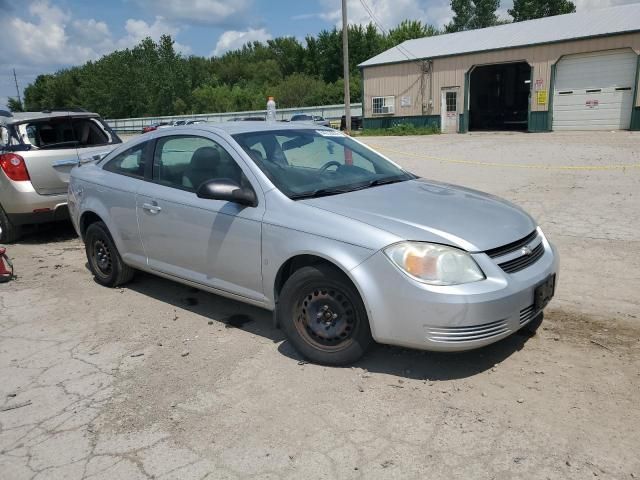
x=42, y=36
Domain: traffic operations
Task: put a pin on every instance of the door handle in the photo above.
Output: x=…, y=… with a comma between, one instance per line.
x=151, y=208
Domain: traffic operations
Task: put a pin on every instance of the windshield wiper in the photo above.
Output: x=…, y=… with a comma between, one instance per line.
x=378, y=181
x=320, y=192
x=323, y=192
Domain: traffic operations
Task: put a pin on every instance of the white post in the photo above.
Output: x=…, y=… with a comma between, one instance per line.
x=345, y=61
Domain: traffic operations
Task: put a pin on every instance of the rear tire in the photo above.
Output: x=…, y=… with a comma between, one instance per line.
x=104, y=259
x=10, y=232
x=323, y=316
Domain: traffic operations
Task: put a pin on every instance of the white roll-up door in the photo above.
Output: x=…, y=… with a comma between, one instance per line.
x=594, y=91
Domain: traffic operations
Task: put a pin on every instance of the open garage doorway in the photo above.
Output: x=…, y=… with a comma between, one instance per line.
x=499, y=97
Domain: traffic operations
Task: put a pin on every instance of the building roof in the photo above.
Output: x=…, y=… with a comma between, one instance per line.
x=572, y=26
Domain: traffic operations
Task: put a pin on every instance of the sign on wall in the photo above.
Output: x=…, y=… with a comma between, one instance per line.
x=405, y=101
x=541, y=97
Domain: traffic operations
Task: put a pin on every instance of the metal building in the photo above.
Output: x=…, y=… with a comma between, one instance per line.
x=569, y=72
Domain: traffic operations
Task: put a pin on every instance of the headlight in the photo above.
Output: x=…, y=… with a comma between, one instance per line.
x=434, y=264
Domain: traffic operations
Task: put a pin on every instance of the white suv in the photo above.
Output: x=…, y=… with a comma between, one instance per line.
x=37, y=152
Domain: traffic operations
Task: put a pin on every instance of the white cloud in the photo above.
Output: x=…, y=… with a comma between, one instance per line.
x=48, y=38
x=389, y=13
x=138, y=30
x=43, y=40
x=201, y=12
x=591, y=4
x=233, y=39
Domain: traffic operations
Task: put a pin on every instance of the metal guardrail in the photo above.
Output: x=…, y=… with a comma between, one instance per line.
x=329, y=112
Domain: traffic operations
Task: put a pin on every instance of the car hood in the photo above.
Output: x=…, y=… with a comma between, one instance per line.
x=431, y=211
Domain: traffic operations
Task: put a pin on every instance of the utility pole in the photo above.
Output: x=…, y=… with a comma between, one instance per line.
x=345, y=62
x=15, y=79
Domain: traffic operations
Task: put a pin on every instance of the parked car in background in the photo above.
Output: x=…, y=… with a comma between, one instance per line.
x=37, y=152
x=194, y=122
x=155, y=126
x=247, y=119
x=316, y=119
x=344, y=245
x=356, y=123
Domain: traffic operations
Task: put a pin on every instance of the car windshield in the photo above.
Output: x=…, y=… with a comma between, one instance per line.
x=312, y=163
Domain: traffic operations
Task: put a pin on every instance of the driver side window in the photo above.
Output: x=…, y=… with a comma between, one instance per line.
x=186, y=162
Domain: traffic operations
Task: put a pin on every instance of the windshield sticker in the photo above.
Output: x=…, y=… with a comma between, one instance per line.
x=330, y=133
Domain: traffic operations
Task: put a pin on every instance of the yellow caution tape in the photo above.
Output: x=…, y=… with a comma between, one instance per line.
x=510, y=165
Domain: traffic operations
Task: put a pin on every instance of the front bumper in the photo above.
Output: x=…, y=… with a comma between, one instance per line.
x=408, y=313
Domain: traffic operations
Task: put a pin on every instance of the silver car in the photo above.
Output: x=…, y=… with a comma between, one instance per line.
x=342, y=244
x=315, y=119
x=37, y=152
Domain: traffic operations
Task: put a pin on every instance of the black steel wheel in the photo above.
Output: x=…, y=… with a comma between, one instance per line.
x=323, y=316
x=104, y=260
x=101, y=257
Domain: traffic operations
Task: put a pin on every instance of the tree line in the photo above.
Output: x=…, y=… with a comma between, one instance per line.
x=153, y=79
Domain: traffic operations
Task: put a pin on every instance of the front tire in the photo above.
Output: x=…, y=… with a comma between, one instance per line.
x=323, y=316
x=104, y=260
x=10, y=232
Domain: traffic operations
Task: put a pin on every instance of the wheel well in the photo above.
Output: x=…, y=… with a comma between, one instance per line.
x=87, y=219
x=296, y=263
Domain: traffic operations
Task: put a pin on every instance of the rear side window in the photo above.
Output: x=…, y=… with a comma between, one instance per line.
x=67, y=132
x=131, y=162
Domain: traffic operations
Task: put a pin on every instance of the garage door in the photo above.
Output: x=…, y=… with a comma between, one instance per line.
x=594, y=91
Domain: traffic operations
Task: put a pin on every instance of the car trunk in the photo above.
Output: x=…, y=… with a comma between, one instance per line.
x=49, y=169
x=60, y=143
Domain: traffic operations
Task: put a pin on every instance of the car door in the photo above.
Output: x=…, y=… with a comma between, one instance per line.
x=114, y=188
x=211, y=242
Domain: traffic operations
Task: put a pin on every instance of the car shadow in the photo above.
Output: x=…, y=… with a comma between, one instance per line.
x=390, y=360
x=48, y=233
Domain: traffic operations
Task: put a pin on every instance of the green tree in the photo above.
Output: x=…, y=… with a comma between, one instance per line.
x=471, y=14
x=485, y=13
x=408, y=30
x=151, y=78
x=14, y=104
x=463, y=11
x=531, y=9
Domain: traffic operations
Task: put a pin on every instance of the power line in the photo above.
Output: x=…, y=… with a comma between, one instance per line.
x=410, y=56
x=423, y=64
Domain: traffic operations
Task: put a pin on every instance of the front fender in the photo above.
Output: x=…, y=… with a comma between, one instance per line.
x=280, y=244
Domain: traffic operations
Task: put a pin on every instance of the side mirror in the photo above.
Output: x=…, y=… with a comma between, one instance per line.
x=226, y=189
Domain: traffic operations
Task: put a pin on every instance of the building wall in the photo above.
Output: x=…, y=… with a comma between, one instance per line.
x=404, y=79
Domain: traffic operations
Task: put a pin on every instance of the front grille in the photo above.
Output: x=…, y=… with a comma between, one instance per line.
x=467, y=333
x=524, y=261
x=526, y=314
x=512, y=247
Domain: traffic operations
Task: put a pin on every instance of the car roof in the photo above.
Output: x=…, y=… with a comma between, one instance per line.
x=19, y=117
x=233, y=128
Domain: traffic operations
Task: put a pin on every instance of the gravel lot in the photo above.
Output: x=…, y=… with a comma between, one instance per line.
x=151, y=381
